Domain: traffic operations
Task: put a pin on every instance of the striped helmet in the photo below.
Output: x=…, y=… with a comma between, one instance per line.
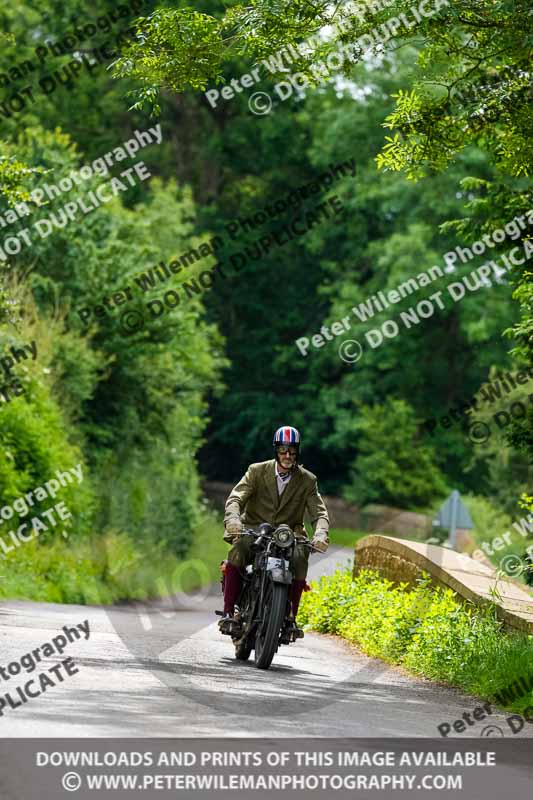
x=287, y=435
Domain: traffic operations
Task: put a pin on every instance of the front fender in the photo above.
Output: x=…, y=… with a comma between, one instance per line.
x=278, y=569
x=279, y=575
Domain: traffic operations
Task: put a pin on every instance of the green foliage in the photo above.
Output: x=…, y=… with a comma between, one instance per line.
x=491, y=522
x=472, y=86
x=139, y=409
x=14, y=177
x=173, y=49
x=472, y=83
x=425, y=629
x=182, y=48
x=130, y=408
x=388, y=233
x=526, y=502
x=34, y=444
x=489, y=519
x=57, y=572
x=391, y=466
x=35, y=437
x=109, y=568
x=509, y=471
x=491, y=205
x=520, y=436
x=345, y=537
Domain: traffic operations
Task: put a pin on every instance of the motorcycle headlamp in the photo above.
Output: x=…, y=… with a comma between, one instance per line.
x=283, y=536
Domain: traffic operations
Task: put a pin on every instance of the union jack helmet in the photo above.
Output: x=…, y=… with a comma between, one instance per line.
x=287, y=435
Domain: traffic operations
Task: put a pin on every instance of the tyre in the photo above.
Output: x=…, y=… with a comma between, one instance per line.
x=267, y=637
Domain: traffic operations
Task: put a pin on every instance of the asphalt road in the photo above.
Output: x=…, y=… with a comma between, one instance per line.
x=164, y=670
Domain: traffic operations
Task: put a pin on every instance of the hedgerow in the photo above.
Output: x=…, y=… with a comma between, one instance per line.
x=426, y=629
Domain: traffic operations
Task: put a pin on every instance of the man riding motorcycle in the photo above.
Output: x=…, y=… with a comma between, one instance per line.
x=276, y=491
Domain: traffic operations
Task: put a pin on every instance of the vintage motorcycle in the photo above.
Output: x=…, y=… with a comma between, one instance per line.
x=263, y=618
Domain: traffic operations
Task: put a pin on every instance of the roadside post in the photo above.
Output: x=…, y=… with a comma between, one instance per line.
x=453, y=514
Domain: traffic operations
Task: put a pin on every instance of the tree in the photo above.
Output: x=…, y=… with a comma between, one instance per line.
x=471, y=86
x=134, y=403
x=393, y=466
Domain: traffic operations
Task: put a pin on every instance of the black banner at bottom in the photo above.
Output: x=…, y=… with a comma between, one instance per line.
x=48, y=769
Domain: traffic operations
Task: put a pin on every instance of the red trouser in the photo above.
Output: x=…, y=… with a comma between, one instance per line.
x=233, y=584
x=232, y=587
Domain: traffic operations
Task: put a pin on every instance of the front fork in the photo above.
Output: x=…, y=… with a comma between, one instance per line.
x=276, y=573
x=279, y=573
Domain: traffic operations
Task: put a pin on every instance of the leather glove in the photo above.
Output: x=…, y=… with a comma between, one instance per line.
x=234, y=525
x=320, y=541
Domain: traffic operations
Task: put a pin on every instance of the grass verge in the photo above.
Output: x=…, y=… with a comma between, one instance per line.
x=425, y=629
x=345, y=537
x=111, y=568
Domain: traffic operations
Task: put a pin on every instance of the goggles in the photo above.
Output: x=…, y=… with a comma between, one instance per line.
x=283, y=450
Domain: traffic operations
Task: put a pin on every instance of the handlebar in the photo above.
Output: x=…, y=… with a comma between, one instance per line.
x=304, y=542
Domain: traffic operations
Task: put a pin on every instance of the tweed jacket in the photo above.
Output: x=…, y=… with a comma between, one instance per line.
x=255, y=499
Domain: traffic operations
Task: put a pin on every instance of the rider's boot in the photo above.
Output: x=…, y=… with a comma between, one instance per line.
x=232, y=590
x=297, y=589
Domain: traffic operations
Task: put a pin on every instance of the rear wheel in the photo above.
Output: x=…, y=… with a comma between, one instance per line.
x=267, y=637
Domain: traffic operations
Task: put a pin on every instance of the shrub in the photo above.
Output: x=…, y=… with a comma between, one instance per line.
x=392, y=466
x=425, y=629
x=110, y=567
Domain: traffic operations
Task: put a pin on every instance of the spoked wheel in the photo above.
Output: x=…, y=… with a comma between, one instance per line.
x=267, y=636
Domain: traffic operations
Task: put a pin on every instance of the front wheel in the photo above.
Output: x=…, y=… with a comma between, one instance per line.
x=267, y=638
